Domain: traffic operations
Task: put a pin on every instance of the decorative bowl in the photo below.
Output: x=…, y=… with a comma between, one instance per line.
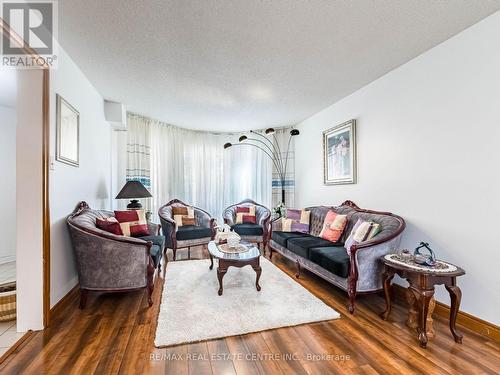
x=233, y=240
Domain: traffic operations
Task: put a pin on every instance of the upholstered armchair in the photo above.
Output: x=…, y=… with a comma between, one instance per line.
x=185, y=236
x=258, y=232
x=109, y=262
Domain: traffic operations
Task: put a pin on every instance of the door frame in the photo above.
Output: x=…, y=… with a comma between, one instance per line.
x=45, y=101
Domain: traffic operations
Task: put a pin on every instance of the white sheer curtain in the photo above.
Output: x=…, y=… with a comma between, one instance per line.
x=194, y=166
x=283, y=142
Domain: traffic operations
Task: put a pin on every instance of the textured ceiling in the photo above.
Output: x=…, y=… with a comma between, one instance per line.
x=241, y=64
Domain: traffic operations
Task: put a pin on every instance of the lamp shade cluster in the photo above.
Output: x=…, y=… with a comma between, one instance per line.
x=271, y=149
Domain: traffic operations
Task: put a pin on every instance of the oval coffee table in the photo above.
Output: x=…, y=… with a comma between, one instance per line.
x=251, y=257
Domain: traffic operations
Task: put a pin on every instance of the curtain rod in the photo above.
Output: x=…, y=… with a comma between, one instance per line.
x=132, y=114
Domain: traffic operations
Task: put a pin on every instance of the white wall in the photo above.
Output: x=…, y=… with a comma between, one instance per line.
x=70, y=185
x=119, y=167
x=8, y=191
x=428, y=149
x=29, y=201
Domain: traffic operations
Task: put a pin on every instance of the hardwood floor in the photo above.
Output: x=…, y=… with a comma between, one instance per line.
x=115, y=334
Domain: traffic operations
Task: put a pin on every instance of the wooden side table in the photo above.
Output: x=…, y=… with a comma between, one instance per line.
x=422, y=284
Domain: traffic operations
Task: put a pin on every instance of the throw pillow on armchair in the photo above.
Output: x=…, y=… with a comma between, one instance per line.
x=109, y=224
x=183, y=215
x=245, y=215
x=133, y=223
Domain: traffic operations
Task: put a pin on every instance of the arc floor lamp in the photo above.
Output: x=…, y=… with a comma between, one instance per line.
x=271, y=149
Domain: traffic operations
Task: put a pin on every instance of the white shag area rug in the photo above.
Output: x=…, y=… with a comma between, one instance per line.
x=191, y=310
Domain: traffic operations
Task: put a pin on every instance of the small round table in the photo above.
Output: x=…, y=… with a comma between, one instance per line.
x=422, y=282
x=250, y=257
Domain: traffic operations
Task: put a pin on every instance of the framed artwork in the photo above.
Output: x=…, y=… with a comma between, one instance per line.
x=339, y=154
x=67, y=133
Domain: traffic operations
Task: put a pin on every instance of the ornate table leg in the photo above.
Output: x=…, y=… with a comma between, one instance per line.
x=423, y=297
x=430, y=322
x=258, y=271
x=412, y=320
x=456, y=297
x=387, y=277
x=220, y=275
x=211, y=262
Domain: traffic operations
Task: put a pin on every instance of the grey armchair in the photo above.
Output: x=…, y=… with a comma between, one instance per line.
x=112, y=263
x=258, y=232
x=185, y=236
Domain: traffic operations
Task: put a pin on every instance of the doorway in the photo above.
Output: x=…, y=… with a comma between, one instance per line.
x=29, y=263
x=8, y=224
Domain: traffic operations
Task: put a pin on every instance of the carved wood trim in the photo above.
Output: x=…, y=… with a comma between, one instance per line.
x=27, y=336
x=352, y=281
x=266, y=230
x=353, y=271
x=150, y=270
x=11, y=34
x=212, y=227
x=80, y=207
x=46, y=196
x=351, y=204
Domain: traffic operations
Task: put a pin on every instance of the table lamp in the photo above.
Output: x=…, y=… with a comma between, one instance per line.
x=133, y=190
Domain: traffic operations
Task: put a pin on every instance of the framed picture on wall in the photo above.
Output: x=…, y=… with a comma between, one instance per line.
x=67, y=133
x=339, y=154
